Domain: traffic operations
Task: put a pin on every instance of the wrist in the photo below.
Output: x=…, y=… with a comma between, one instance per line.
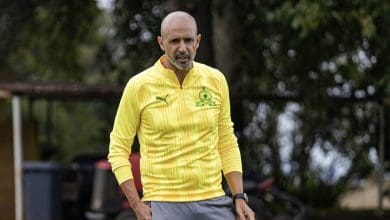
x=240, y=196
x=134, y=203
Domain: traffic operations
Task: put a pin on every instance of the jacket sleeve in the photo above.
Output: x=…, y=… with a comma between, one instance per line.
x=227, y=143
x=122, y=135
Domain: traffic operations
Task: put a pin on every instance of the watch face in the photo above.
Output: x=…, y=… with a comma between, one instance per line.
x=246, y=197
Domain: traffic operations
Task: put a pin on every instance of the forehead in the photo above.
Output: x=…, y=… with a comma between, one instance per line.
x=179, y=26
x=179, y=33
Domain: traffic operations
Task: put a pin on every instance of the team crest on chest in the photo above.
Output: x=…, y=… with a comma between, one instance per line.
x=205, y=98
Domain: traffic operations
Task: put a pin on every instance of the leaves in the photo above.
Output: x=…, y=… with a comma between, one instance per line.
x=48, y=41
x=309, y=49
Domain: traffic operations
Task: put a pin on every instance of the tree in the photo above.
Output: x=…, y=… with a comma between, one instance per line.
x=313, y=50
x=300, y=56
x=54, y=41
x=44, y=39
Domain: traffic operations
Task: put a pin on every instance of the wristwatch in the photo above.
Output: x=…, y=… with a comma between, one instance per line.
x=240, y=196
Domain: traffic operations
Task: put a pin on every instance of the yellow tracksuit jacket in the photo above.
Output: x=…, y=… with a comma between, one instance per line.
x=185, y=133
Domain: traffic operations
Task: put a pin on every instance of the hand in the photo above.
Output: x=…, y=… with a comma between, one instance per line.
x=142, y=211
x=243, y=211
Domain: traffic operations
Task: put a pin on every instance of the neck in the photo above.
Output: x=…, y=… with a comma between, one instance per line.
x=180, y=74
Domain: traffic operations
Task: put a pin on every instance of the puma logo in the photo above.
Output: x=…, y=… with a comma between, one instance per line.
x=159, y=98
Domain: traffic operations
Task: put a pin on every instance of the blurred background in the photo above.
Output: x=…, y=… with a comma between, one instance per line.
x=309, y=83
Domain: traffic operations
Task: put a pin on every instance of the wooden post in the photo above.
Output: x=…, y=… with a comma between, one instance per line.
x=17, y=137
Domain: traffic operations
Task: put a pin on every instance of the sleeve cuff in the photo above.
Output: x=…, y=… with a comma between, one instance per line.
x=123, y=173
x=232, y=169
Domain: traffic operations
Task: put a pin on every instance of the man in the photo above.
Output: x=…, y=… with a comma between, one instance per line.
x=180, y=111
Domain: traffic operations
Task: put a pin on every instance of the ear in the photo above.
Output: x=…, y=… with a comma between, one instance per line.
x=198, y=37
x=161, y=43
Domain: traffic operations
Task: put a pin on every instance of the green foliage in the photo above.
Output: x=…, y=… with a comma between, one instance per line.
x=313, y=50
x=295, y=39
x=45, y=38
x=56, y=41
x=328, y=193
x=308, y=49
x=136, y=25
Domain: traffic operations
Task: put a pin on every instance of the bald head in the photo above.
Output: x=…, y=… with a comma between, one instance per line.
x=179, y=40
x=174, y=17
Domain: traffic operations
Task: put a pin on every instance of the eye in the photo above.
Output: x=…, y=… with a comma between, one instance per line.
x=189, y=40
x=175, y=41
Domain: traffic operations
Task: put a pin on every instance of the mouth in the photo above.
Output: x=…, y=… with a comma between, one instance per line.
x=182, y=58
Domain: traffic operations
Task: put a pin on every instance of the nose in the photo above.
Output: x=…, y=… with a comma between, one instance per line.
x=182, y=46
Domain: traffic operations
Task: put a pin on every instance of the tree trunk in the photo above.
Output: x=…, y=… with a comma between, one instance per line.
x=224, y=37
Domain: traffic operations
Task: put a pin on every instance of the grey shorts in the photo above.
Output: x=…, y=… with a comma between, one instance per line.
x=219, y=208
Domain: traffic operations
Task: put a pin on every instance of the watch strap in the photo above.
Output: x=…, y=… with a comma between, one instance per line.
x=242, y=196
